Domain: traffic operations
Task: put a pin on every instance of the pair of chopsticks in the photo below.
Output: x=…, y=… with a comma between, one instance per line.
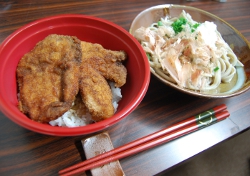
x=182, y=128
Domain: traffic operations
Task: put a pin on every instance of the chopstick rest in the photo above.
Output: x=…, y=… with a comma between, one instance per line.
x=182, y=128
x=96, y=145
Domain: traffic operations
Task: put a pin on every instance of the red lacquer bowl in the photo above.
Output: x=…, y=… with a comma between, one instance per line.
x=87, y=28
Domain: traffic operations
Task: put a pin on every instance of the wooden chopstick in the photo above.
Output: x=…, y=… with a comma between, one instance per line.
x=182, y=128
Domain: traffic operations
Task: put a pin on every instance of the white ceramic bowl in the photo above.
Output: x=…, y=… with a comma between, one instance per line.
x=228, y=32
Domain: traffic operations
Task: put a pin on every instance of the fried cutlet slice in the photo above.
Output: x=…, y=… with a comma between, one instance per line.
x=48, y=77
x=107, y=62
x=95, y=93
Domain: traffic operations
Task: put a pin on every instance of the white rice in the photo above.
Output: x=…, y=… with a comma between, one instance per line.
x=71, y=119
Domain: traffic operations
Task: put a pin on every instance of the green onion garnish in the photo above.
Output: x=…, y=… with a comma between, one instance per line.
x=195, y=27
x=216, y=69
x=160, y=23
x=149, y=56
x=177, y=24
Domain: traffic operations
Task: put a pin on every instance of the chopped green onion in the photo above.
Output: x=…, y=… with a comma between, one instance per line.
x=160, y=23
x=177, y=24
x=195, y=27
x=149, y=56
x=216, y=69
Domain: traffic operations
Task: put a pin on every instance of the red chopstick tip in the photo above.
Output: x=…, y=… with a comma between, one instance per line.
x=220, y=108
x=222, y=115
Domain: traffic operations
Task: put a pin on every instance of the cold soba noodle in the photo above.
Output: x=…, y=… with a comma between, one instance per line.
x=191, y=54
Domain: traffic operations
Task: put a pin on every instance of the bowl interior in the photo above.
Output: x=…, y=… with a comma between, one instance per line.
x=86, y=28
x=228, y=32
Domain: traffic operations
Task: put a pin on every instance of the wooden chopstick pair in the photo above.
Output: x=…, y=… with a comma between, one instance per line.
x=182, y=128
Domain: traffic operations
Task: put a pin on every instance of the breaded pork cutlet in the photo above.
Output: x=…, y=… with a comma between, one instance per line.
x=96, y=93
x=48, y=77
x=107, y=62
